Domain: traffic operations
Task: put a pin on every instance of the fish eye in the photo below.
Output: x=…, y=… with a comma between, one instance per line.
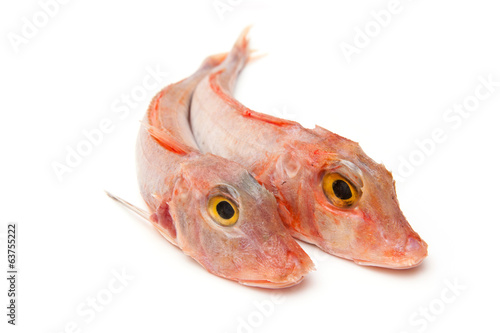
x=339, y=190
x=223, y=210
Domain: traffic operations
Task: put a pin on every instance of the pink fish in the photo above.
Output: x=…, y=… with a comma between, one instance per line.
x=329, y=192
x=209, y=207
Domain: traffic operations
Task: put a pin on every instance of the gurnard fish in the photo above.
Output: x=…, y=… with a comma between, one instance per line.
x=209, y=207
x=329, y=192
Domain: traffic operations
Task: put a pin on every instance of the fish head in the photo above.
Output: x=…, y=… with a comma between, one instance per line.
x=349, y=204
x=230, y=224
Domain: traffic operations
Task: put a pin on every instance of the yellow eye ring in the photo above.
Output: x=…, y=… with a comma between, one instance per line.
x=223, y=210
x=339, y=190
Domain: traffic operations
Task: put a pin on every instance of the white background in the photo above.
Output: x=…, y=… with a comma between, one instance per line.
x=396, y=90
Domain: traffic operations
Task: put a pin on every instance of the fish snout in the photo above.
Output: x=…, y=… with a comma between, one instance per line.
x=405, y=249
x=403, y=254
x=298, y=264
x=415, y=251
x=288, y=262
x=291, y=271
x=410, y=255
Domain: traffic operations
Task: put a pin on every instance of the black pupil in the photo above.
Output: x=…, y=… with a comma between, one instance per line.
x=225, y=210
x=341, y=190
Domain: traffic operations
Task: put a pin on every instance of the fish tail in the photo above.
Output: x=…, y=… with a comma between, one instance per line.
x=254, y=57
x=243, y=40
x=241, y=52
x=235, y=61
x=213, y=61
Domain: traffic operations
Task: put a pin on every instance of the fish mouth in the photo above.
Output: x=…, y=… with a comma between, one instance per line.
x=410, y=263
x=415, y=251
x=269, y=284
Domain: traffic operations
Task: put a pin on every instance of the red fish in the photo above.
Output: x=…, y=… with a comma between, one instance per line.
x=329, y=192
x=209, y=207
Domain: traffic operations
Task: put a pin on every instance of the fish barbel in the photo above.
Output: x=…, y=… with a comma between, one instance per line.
x=209, y=207
x=329, y=192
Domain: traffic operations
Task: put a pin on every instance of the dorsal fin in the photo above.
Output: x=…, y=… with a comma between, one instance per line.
x=168, y=141
x=243, y=110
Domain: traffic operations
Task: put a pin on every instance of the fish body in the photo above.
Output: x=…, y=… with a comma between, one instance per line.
x=209, y=207
x=329, y=192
